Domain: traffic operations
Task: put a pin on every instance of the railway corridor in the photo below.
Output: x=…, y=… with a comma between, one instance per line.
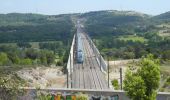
x=88, y=74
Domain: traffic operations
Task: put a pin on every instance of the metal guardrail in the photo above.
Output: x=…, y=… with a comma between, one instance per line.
x=99, y=57
x=70, y=62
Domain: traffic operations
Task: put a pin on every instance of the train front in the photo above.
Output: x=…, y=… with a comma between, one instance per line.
x=80, y=54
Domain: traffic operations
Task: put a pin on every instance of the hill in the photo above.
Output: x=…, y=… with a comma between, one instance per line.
x=165, y=17
x=111, y=29
x=114, y=22
x=125, y=34
x=18, y=19
x=16, y=27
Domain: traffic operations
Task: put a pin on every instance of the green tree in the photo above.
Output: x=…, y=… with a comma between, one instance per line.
x=129, y=55
x=9, y=87
x=150, y=73
x=115, y=84
x=3, y=58
x=24, y=45
x=143, y=84
x=26, y=61
x=135, y=86
x=166, y=55
x=32, y=53
x=82, y=97
x=43, y=59
x=13, y=57
x=50, y=57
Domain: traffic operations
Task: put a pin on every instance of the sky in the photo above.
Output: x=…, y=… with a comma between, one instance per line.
x=53, y=7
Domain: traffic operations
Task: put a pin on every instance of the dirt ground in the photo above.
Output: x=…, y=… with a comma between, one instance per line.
x=43, y=77
x=115, y=68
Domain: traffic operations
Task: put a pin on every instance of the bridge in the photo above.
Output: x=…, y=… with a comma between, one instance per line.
x=91, y=74
x=89, y=77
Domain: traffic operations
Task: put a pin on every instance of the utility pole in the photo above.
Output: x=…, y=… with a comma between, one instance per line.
x=67, y=79
x=70, y=71
x=121, y=79
x=100, y=61
x=108, y=70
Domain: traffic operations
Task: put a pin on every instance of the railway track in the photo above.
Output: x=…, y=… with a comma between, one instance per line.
x=88, y=75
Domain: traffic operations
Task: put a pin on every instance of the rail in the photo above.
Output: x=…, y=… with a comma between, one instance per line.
x=99, y=57
x=70, y=63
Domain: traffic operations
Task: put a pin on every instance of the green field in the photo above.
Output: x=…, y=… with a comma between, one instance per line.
x=164, y=29
x=165, y=69
x=132, y=38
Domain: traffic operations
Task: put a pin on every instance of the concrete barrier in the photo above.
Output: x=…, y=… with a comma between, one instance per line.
x=119, y=93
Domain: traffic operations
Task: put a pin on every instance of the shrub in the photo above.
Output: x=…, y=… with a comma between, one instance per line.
x=115, y=84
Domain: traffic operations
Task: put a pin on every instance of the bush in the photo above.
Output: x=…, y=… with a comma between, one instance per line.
x=26, y=61
x=115, y=84
x=3, y=58
x=82, y=97
x=168, y=80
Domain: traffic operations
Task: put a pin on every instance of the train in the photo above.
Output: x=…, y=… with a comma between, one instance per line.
x=80, y=52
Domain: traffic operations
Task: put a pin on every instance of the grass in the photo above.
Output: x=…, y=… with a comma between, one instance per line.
x=8, y=44
x=132, y=38
x=34, y=44
x=165, y=71
x=164, y=29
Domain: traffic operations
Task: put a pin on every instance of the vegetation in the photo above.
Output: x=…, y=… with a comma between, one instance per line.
x=132, y=38
x=82, y=97
x=13, y=55
x=9, y=87
x=143, y=84
x=115, y=84
x=32, y=39
x=35, y=28
x=126, y=34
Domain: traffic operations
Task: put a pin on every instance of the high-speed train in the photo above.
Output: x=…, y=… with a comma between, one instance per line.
x=80, y=53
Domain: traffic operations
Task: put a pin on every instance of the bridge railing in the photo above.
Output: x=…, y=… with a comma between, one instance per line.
x=70, y=62
x=99, y=57
x=119, y=93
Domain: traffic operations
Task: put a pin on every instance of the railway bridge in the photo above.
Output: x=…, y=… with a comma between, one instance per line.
x=91, y=73
x=89, y=77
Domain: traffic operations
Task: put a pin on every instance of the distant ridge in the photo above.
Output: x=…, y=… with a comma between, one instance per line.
x=163, y=16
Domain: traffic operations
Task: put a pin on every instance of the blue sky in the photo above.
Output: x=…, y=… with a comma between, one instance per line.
x=50, y=7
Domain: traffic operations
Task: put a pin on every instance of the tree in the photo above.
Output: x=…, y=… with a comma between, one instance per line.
x=128, y=55
x=143, y=84
x=47, y=57
x=9, y=87
x=32, y=53
x=166, y=55
x=13, y=57
x=82, y=97
x=3, y=58
x=50, y=57
x=26, y=61
x=135, y=86
x=24, y=45
x=150, y=73
x=115, y=84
